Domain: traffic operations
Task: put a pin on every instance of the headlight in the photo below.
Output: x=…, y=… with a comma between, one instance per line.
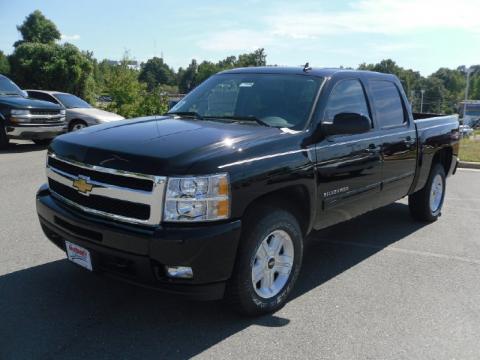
x=63, y=112
x=19, y=112
x=199, y=198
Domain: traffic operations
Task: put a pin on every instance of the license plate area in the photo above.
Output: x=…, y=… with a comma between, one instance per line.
x=79, y=255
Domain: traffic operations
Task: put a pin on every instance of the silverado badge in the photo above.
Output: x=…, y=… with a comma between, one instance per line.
x=82, y=185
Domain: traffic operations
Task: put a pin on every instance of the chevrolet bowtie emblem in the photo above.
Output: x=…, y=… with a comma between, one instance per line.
x=82, y=185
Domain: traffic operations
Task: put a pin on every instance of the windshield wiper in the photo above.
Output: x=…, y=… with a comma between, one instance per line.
x=241, y=118
x=186, y=113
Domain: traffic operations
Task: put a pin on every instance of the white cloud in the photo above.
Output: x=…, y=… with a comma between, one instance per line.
x=379, y=17
x=396, y=19
x=65, y=37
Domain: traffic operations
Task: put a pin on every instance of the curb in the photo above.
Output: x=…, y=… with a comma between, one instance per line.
x=469, y=165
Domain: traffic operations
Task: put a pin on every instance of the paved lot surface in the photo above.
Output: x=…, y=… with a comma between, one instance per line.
x=378, y=287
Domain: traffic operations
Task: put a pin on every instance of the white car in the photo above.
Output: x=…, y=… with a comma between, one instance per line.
x=80, y=114
x=465, y=131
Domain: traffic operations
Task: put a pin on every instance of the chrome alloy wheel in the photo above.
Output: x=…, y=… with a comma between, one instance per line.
x=436, y=193
x=272, y=264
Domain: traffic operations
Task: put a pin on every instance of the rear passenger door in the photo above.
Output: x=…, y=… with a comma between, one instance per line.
x=399, y=139
x=348, y=166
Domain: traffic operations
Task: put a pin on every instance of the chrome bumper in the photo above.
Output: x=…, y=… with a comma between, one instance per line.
x=35, y=131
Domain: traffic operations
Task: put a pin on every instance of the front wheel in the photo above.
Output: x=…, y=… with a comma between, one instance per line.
x=268, y=263
x=426, y=204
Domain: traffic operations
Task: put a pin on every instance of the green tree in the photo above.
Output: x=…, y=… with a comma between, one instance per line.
x=38, y=29
x=53, y=67
x=155, y=102
x=156, y=72
x=186, y=78
x=122, y=85
x=205, y=70
x=256, y=58
x=4, y=64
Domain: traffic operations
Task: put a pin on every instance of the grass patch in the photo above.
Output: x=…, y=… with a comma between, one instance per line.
x=470, y=148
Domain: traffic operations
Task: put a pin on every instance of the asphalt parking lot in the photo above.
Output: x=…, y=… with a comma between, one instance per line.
x=378, y=287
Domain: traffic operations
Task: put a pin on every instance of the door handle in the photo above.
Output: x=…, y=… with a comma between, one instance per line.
x=409, y=141
x=372, y=148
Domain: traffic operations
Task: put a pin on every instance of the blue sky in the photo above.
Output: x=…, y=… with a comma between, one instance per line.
x=423, y=34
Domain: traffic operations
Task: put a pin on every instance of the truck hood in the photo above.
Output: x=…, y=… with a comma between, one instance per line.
x=20, y=102
x=92, y=113
x=164, y=145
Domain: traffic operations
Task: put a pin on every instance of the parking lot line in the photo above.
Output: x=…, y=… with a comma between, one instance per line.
x=405, y=251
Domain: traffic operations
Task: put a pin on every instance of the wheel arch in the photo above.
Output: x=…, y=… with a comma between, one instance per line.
x=295, y=199
x=444, y=156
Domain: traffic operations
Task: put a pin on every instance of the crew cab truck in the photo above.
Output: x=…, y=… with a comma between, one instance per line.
x=216, y=198
x=25, y=118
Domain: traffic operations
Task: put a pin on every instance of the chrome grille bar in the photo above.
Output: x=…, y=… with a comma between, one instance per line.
x=154, y=198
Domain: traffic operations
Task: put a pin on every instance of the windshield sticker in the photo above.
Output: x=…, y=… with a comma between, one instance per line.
x=246, y=84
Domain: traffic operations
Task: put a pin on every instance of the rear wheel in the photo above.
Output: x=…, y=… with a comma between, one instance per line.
x=268, y=263
x=3, y=138
x=76, y=125
x=426, y=204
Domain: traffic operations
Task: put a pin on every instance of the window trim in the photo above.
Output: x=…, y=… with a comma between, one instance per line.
x=369, y=109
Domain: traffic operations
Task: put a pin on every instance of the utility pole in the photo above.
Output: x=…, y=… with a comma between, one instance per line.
x=412, y=99
x=421, y=101
x=469, y=70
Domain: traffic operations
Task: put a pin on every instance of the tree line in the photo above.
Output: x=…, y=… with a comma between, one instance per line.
x=39, y=61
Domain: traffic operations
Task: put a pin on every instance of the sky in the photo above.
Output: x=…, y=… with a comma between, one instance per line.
x=423, y=35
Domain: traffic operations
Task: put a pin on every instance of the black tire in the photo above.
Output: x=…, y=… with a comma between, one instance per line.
x=4, y=141
x=42, y=142
x=419, y=202
x=240, y=291
x=74, y=123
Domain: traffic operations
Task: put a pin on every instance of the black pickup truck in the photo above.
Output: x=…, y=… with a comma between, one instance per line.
x=25, y=118
x=215, y=198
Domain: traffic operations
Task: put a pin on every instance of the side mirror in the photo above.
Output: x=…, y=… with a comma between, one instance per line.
x=347, y=124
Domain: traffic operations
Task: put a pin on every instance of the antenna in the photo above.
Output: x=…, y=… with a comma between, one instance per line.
x=306, y=67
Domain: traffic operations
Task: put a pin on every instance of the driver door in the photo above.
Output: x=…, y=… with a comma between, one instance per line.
x=348, y=167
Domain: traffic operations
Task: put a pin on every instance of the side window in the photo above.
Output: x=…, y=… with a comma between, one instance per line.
x=388, y=104
x=347, y=97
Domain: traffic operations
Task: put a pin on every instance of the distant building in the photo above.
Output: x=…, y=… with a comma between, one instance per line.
x=472, y=112
x=132, y=64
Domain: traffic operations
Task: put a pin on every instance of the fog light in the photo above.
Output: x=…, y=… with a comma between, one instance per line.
x=179, y=272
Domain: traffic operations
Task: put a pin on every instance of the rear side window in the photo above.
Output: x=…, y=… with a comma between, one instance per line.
x=346, y=97
x=388, y=104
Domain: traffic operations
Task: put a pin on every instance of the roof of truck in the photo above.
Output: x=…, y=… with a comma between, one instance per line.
x=299, y=70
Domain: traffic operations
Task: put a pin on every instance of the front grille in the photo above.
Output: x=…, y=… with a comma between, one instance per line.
x=120, y=195
x=101, y=203
x=54, y=121
x=117, y=180
x=44, y=112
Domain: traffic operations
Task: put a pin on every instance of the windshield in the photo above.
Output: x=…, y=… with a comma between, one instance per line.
x=8, y=87
x=271, y=99
x=71, y=101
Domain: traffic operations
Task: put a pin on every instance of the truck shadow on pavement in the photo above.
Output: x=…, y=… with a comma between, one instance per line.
x=56, y=310
x=23, y=147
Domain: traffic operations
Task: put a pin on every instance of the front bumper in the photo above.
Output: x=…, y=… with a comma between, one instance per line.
x=35, y=132
x=139, y=254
